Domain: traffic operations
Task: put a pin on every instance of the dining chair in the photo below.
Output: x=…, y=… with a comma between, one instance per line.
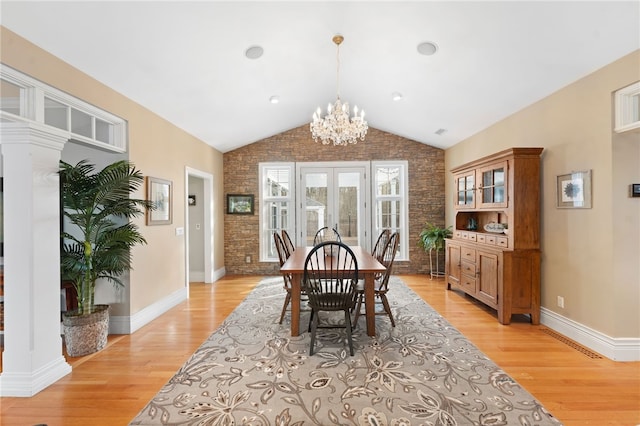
x=283, y=256
x=381, y=283
x=381, y=243
x=326, y=234
x=330, y=283
x=288, y=244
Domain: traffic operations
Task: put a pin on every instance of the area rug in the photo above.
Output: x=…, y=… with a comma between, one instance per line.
x=250, y=371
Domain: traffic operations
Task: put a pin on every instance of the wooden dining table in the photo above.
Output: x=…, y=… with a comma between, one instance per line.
x=368, y=267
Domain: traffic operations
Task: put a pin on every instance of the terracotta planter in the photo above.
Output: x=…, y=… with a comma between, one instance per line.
x=86, y=334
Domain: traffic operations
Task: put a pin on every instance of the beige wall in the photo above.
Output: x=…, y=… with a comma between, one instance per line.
x=157, y=147
x=589, y=256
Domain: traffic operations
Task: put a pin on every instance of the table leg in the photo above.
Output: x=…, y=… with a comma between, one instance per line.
x=296, y=279
x=369, y=303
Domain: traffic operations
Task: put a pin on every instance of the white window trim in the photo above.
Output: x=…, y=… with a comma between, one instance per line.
x=625, y=119
x=264, y=239
x=33, y=108
x=404, y=197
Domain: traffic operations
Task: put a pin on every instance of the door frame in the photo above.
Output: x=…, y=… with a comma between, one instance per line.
x=366, y=194
x=208, y=228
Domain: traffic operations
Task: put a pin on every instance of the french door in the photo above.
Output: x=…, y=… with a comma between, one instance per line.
x=335, y=196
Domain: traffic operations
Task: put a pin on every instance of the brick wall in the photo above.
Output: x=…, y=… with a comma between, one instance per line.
x=426, y=188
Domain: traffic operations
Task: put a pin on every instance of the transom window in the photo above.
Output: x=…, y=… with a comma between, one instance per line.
x=25, y=99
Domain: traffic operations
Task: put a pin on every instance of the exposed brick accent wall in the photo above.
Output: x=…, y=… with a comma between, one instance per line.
x=426, y=188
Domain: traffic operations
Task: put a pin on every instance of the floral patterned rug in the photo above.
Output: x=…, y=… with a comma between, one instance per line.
x=250, y=371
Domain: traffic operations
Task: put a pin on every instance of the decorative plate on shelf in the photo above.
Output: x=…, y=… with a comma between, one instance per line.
x=496, y=228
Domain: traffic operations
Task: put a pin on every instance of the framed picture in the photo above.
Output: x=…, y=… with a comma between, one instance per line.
x=574, y=190
x=192, y=200
x=239, y=204
x=159, y=192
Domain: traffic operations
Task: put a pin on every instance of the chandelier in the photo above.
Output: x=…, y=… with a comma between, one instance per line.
x=337, y=126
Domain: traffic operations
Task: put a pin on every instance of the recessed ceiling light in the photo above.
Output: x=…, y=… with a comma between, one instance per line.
x=396, y=96
x=254, y=52
x=274, y=99
x=427, y=48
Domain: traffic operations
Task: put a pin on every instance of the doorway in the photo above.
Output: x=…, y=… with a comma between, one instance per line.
x=334, y=195
x=199, y=235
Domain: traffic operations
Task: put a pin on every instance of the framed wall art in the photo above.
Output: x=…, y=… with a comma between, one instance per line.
x=159, y=192
x=574, y=190
x=239, y=204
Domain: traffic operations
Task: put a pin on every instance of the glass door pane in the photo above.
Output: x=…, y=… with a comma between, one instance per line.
x=315, y=203
x=333, y=197
x=349, y=185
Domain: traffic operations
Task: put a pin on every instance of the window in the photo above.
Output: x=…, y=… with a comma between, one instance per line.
x=25, y=99
x=389, y=206
x=277, y=191
x=627, y=105
x=11, y=96
x=390, y=201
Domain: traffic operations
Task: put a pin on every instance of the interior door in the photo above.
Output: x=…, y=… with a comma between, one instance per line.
x=333, y=196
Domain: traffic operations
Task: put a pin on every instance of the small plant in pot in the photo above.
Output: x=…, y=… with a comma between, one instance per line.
x=97, y=242
x=432, y=239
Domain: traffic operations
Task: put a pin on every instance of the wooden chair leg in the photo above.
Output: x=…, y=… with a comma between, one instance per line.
x=357, y=309
x=284, y=307
x=387, y=308
x=311, y=318
x=347, y=324
x=313, y=325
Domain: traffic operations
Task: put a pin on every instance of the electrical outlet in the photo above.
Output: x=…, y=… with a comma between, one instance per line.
x=247, y=258
x=560, y=302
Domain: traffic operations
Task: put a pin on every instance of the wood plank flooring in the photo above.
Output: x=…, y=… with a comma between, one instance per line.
x=112, y=386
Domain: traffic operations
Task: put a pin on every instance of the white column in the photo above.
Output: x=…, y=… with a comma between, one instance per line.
x=32, y=357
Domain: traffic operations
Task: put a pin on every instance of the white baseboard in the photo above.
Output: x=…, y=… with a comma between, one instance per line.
x=219, y=273
x=129, y=324
x=29, y=384
x=615, y=348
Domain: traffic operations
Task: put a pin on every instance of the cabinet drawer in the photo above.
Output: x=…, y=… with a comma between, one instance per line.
x=468, y=284
x=502, y=241
x=472, y=236
x=468, y=254
x=464, y=235
x=457, y=234
x=482, y=238
x=491, y=239
x=468, y=268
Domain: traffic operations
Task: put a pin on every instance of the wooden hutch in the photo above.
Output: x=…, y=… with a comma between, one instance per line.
x=494, y=253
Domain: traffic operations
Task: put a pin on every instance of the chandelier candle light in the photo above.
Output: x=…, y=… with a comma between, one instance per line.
x=337, y=127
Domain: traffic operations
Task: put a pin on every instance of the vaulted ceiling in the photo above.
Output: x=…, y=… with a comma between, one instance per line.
x=187, y=61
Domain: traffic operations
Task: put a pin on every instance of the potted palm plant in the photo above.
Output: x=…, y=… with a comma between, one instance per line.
x=97, y=238
x=432, y=239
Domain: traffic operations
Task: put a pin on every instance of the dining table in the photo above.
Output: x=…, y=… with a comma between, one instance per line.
x=368, y=268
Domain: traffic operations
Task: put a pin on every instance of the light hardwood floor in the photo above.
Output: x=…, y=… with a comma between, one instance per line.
x=112, y=386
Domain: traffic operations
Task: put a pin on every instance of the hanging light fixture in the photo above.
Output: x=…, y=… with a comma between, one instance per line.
x=337, y=126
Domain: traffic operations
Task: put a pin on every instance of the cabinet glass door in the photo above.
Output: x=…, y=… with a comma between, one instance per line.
x=465, y=187
x=494, y=184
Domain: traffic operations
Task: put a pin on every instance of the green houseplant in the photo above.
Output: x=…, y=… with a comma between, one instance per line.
x=97, y=239
x=432, y=239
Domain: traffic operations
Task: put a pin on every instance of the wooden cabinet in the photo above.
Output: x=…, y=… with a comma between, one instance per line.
x=500, y=269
